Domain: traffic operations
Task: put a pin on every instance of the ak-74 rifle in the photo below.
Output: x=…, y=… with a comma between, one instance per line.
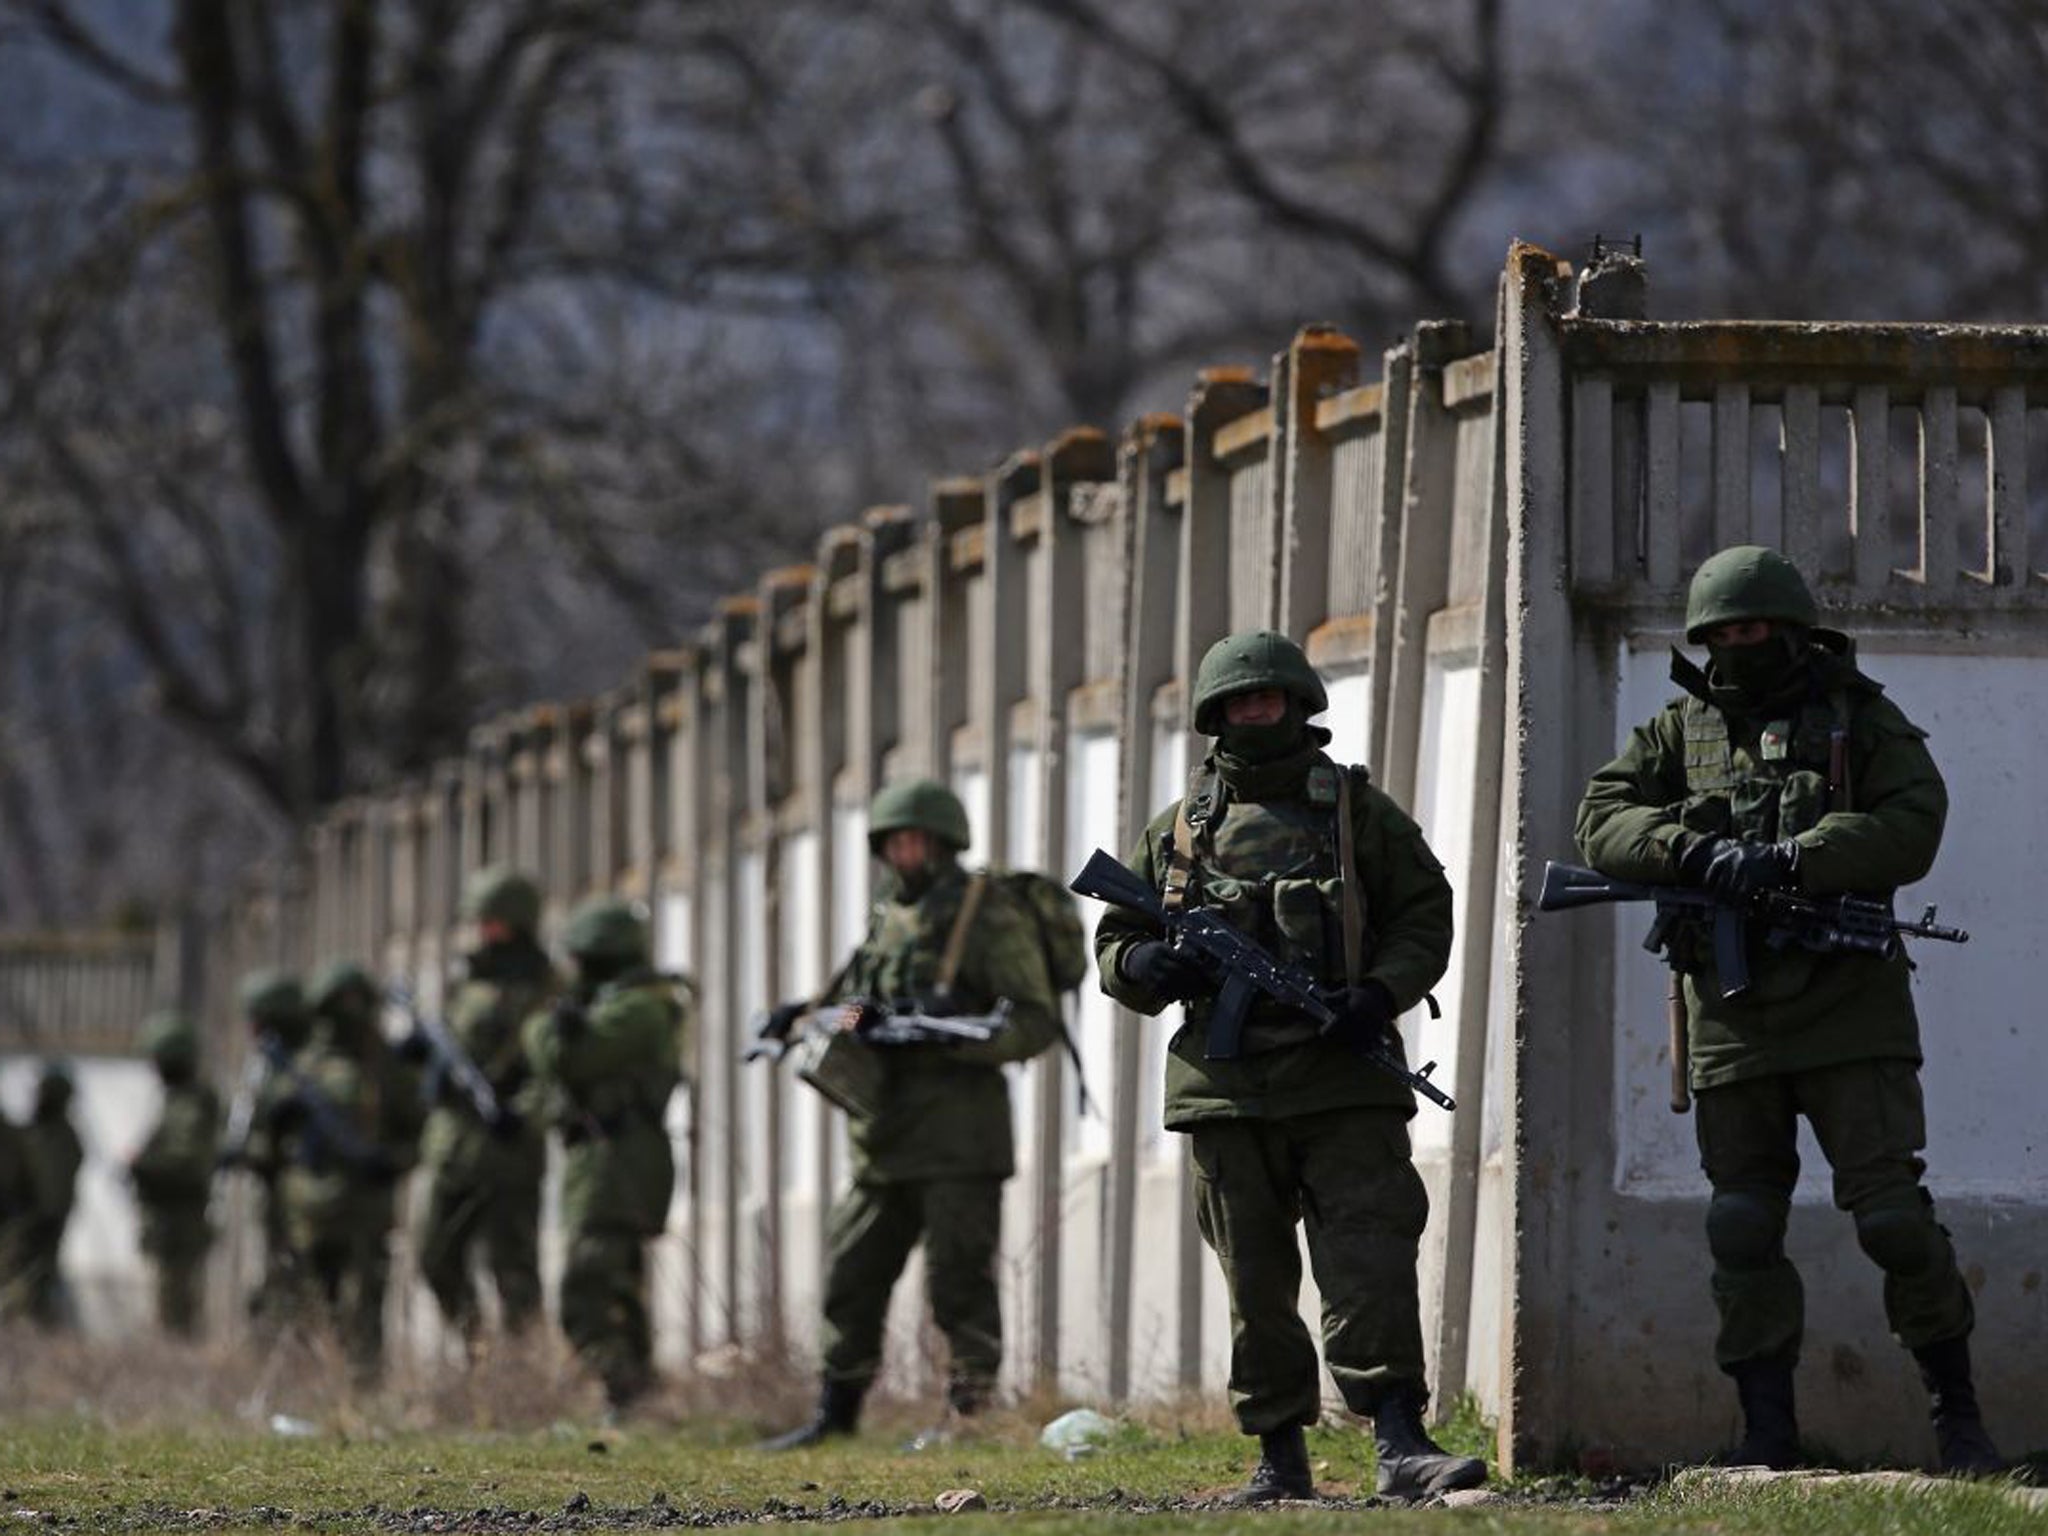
x=1242, y=970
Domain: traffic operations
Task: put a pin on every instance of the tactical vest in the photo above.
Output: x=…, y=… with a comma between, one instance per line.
x=1797, y=773
x=1274, y=871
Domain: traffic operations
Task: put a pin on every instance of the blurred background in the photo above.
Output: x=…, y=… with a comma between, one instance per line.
x=368, y=367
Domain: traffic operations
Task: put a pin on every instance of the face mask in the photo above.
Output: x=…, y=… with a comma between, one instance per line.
x=1264, y=743
x=1759, y=671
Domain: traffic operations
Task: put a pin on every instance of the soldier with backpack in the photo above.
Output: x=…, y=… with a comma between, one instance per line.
x=930, y=1160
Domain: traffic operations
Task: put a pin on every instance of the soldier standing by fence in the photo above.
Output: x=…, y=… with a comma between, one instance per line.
x=483, y=1191
x=52, y=1155
x=273, y=1005
x=606, y=1058
x=1782, y=766
x=930, y=1162
x=173, y=1173
x=1291, y=1126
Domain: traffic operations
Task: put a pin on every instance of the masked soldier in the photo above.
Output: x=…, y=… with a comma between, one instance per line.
x=52, y=1154
x=1327, y=873
x=929, y=1163
x=274, y=1007
x=606, y=1058
x=1782, y=766
x=349, y=1124
x=173, y=1173
x=484, y=1180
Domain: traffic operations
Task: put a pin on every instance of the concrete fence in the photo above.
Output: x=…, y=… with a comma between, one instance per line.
x=1483, y=548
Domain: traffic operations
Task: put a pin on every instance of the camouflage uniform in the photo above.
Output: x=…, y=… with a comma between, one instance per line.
x=1783, y=765
x=483, y=1190
x=350, y=1127
x=1296, y=1129
x=930, y=1164
x=173, y=1173
x=274, y=1006
x=606, y=1059
x=52, y=1154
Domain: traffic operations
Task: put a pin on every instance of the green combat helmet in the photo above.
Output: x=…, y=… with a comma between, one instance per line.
x=1247, y=662
x=274, y=1002
x=607, y=929
x=498, y=893
x=171, y=1041
x=334, y=983
x=1743, y=583
x=924, y=805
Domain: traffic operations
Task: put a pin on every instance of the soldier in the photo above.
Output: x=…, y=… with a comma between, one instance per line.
x=274, y=1007
x=484, y=1181
x=929, y=1164
x=349, y=1126
x=52, y=1154
x=1325, y=872
x=606, y=1058
x=173, y=1173
x=1782, y=765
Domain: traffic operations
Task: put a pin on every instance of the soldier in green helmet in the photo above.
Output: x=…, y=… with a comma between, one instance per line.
x=929, y=1164
x=1327, y=873
x=1781, y=765
x=348, y=1130
x=173, y=1172
x=273, y=1006
x=606, y=1058
x=52, y=1156
x=483, y=1191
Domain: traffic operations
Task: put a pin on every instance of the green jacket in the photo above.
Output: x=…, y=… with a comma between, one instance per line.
x=326, y=1196
x=54, y=1156
x=173, y=1173
x=945, y=1109
x=1642, y=810
x=605, y=1070
x=505, y=985
x=1407, y=904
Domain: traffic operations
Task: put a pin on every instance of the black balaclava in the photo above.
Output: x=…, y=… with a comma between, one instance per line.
x=1758, y=675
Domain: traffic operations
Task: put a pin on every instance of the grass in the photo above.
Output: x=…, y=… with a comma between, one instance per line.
x=157, y=1439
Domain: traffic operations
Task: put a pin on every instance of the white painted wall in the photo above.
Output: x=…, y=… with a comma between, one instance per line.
x=1097, y=767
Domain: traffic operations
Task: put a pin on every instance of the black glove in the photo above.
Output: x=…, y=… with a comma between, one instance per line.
x=1693, y=863
x=1738, y=870
x=1364, y=1015
x=782, y=1019
x=415, y=1048
x=1163, y=971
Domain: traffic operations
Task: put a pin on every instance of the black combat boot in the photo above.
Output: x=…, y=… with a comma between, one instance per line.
x=1770, y=1427
x=1413, y=1466
x=1282, y=1472
x=838, y=1414
x=1966, y=1448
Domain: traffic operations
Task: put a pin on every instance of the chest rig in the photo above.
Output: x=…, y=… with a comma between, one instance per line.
x=1776, y=784
x=1280, y=872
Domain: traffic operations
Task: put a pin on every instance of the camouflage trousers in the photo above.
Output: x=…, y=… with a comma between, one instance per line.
x=177, y=1247
x=344, y=1276
x=500, y=1217
x=874, y=1228
x=604, y=1307
x=1343, y=1175
x=1870, y=1122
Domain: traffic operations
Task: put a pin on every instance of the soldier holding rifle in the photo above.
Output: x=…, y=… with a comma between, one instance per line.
x=1781, y=768
x=1293, y=1117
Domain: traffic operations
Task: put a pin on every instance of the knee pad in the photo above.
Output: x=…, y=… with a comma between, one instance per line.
x=1744, y=1230
x=1901, y=1238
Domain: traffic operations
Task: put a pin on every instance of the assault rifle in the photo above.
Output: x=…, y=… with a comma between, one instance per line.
x=453, y=1064
x=905, y=1021
x=1829, y=925
x=234, y=1146
x=1242, y=970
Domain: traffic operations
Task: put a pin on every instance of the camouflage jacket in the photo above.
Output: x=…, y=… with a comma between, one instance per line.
x=173, y=1172
x=945, y=1109
x=1642, y=810
x=504, y=985
x=606, y=1063
x=1273, y=874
